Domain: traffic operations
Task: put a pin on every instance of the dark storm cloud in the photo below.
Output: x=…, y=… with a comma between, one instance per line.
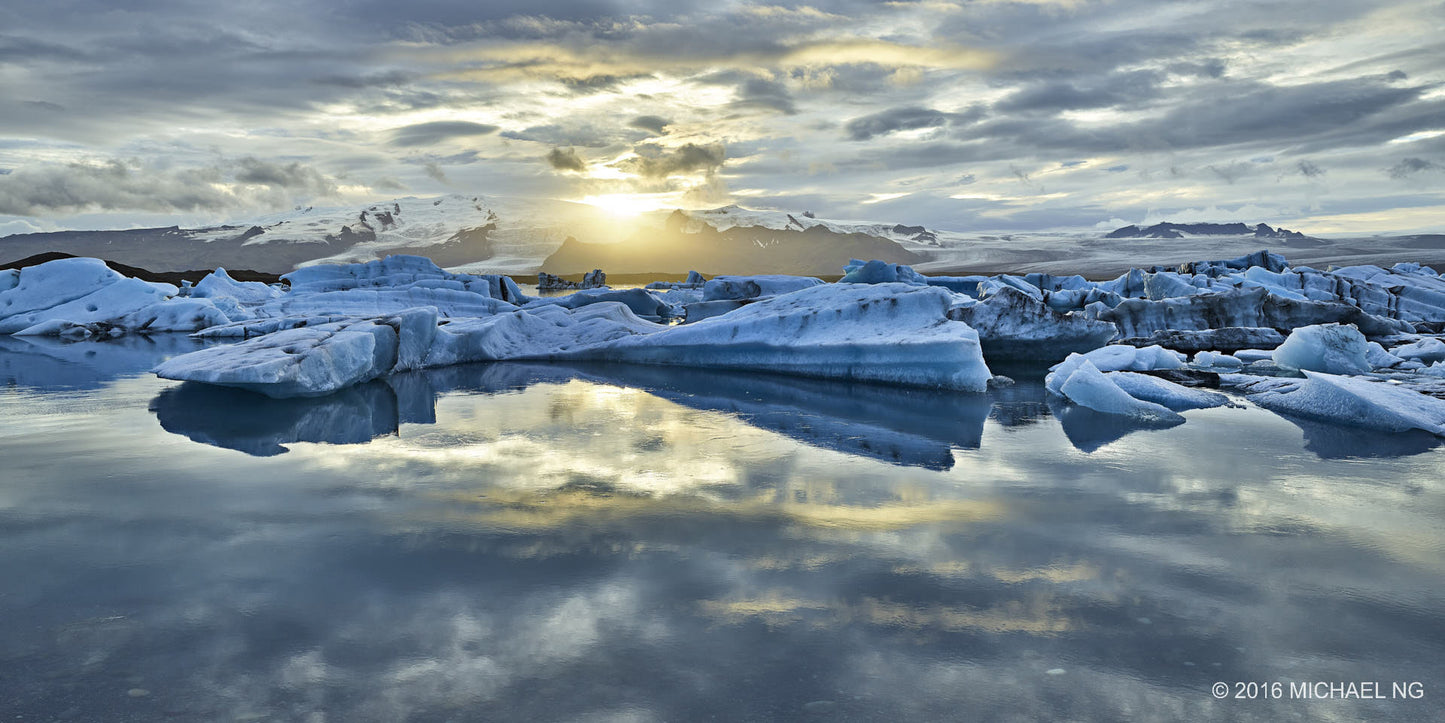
x=1247, y=112
x=46, y=105
x=434, y=171
x=566, y=160
x=653, y=161
x=15, y=49
x=1408, y=167
x=567, y=134
x=769, y=94
x=295, y=175
x=386, y=79
x=388, y=184
x=1209, y=68
x=1308, y=169
x=656, y=124
x=598, y=83
x=1114, y=90
x=1312, y=116
x=906, y=119
x=425, y=134
x=894, y=120
x=753, y=91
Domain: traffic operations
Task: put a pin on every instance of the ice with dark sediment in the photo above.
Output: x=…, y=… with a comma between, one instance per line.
x=1015, y=326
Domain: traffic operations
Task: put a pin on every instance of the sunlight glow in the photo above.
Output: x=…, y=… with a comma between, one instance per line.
x=1420, y=136
x=881, y=197
x=629, y=205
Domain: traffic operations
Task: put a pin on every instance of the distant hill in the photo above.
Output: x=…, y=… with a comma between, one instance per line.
x=1180, y=230
x=682, y=245
x=168, y=277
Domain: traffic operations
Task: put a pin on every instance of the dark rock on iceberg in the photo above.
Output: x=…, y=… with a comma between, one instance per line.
x=1227, y=339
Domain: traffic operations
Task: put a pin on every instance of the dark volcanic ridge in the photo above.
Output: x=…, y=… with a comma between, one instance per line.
x=168, y=277
x=174, y=248
x=1179, y=230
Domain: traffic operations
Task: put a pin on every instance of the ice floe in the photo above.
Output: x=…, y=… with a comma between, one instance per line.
x=1328, y=348
x=1090, y=388
x=1355, y=402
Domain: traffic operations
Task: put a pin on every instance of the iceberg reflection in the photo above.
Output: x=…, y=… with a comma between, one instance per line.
x=51, y=364
x=261, y=426
x=896, y=425
x=1332, y=441
x=1089, y=430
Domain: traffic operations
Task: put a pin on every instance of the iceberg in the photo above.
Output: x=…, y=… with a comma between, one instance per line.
x=1328, y=348
x=754, y=287
x=1253, y=307
x=641, y=301
x=1090, y=388
x=1165, y=393
x=1114, y=358
x=880, y=272
x=892, y=333
x=1015, y=326
x=1355, y=402
x=1427, y=350
x=261, y=427
x=76, y=292
x=889, y=333
x=219, y=284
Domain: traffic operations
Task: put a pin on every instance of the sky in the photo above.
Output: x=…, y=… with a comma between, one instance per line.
x=992, y=115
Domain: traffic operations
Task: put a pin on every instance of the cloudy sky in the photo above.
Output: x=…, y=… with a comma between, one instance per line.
x=1324, y=115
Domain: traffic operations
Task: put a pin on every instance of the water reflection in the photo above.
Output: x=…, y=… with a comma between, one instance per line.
x=1332, y=441
x=896, y=425
x=535, y=542
x=1089, y=430
x=48, y=363
x=260, y=426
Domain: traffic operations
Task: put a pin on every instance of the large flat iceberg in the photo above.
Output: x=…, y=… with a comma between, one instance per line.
x=1355, y=402
x=891, y=333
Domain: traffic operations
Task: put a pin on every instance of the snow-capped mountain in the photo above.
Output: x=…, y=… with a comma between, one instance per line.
x=502, y=234
x=495, y=234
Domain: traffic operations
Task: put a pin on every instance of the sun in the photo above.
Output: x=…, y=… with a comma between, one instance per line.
x=629, y=205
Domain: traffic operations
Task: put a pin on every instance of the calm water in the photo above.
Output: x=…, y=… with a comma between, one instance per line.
x=534, y=542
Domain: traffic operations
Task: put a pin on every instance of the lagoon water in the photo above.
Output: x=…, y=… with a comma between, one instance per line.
x=544, y=542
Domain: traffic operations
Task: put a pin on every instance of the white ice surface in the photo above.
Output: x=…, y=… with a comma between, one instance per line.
x=1356, y=402
x=1330, y=348
x=1217, y=360
x=1427, y=350
x=219, y=284
x=1088, y=387
x=1114, y=358
x=1164, y=392
x=64, y=294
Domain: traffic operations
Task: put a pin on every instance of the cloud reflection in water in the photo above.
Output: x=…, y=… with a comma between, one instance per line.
x=538, y=542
